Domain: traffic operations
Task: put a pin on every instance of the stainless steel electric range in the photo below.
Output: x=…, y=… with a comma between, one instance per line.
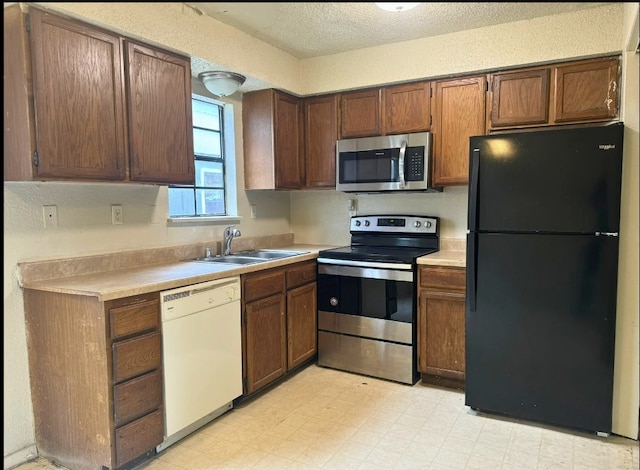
x=367, y=296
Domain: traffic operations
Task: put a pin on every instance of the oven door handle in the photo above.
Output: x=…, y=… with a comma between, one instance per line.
x=366, y=264
x=365, y=272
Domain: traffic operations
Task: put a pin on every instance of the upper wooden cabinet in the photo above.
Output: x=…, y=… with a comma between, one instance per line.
x=89, y=105
x=406, y=108
x=394, y=109
x=520, y=98
x=587, y=91
x=320, y=135
x=160, y=117
x=575, y=92
x=453, y=109
x=458, y=114
x=273, y=140
x=360, y=114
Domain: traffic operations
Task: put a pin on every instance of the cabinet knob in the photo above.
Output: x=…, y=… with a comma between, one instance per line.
x=333, y=301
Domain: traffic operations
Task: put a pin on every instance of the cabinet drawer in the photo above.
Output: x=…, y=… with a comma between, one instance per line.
x=136, y=356
x=300, y=274
x=137, y=397
x=138, y=437
x=135, y=318
x=264, y=284
x=443, y=278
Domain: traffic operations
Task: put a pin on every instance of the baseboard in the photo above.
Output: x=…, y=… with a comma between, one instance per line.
x=20, y=457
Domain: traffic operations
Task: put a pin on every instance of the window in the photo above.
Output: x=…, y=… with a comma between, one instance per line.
x=213, y=194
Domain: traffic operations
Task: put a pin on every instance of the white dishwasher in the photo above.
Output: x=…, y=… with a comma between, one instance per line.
x=202, y=354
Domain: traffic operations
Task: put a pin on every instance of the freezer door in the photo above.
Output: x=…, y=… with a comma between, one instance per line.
x=540, y=331
x=547, y=181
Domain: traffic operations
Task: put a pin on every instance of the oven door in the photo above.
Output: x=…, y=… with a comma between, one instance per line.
x=366, y=320
x=379, y=302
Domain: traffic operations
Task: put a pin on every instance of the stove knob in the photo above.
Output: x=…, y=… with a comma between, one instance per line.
x=417, y=224
x=428, y=224
x=366, y=223
x=357, y=223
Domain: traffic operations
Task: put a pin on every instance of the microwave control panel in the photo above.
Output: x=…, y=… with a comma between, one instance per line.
x=414, y=164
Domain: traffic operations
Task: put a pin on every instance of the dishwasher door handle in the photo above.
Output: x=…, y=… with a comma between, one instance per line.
x=223, y=283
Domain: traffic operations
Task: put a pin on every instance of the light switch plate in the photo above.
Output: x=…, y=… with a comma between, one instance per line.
x=116, y=214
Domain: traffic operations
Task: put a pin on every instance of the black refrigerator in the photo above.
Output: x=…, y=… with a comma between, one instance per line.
x=542, y=267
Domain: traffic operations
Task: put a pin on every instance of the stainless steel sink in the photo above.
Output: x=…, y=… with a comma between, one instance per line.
x=250, y=257
x=230, y=259
x=270, y=254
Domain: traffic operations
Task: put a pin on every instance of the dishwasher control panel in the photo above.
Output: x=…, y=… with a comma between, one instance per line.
x=176, y=303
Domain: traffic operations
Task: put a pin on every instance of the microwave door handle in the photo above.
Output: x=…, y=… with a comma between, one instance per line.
x=403, y=150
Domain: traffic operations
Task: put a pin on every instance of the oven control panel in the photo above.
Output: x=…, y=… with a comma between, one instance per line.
x=394, y=224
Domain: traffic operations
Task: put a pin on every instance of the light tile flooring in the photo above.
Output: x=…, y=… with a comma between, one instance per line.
x=326, y=419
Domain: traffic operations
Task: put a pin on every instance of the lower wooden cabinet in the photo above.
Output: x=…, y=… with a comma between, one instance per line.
x=96, y=378
x=265, y=342
x=441, y=324
x=279, y=322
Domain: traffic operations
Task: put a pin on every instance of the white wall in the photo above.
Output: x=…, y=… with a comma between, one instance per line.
x=322, y=216
x=626, y=393
x=84, y=209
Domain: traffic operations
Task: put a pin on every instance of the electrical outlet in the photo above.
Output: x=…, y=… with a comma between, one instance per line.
x=116, y=214
x=253, y=211
x=351, y=207
x=50, y=216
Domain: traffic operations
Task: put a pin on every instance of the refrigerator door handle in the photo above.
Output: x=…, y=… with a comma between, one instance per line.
x=472, y=268
x=473, y=190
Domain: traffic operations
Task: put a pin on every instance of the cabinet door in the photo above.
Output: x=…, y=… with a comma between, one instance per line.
x=288, y=148
x=320, y=135
x=301, y=324
x=587, y=91
x=78, y=98
x=520, y=98
x=441, y=334
x=265, y=353
x=160, y=120
x=257, y=139
x=407, y=108
x=458, y=114
x=360, y=114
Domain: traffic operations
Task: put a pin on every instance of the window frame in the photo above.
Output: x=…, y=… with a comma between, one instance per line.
x=228, y=160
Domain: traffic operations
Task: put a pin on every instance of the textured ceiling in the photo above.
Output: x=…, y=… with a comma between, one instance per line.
x=308, y=30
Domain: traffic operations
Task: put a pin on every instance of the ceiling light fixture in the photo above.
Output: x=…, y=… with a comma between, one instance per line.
x=221, y=83
x=393, y=6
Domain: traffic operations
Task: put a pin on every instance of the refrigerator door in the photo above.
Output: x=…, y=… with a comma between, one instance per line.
x=540, y=332
x=547, y=181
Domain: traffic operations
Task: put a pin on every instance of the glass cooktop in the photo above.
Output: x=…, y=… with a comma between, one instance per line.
x=376, y=254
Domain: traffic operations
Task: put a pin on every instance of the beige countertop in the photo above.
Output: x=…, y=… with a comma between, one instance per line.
x=114, y=284
x=452, y=253
x=115, y=278
x=456, y=258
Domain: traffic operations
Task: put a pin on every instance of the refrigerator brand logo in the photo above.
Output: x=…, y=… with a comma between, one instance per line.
x=606, y=146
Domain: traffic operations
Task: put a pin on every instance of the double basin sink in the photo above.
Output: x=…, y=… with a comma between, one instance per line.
x=251, y=257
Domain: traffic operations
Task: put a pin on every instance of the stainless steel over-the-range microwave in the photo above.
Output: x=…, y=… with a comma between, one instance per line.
x=386, y=163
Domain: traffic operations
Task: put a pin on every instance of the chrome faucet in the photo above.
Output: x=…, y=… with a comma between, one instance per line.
x=229, y=233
